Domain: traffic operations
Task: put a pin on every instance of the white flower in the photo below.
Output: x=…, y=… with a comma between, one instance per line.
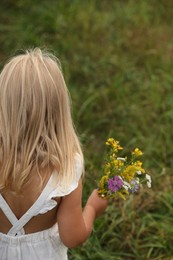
x=148, y=177
x=126, y=185
x=137, y=180
x=149, y=184
x=139, y=172
x=121, y=159
x=121, y=178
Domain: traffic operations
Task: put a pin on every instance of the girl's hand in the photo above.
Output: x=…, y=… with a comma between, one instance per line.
x=97, y=203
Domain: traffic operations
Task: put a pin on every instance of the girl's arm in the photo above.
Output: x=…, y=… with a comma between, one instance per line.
x=75, y=225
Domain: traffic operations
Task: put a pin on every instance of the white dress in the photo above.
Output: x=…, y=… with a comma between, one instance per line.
x=43, y=245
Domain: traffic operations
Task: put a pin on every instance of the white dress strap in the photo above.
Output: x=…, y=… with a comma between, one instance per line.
x=18, y=224
x=8, y=212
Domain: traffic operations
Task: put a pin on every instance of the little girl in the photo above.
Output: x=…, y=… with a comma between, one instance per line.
x=41, y=164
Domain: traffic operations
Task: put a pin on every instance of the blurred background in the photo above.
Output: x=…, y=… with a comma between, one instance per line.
x=117, y=60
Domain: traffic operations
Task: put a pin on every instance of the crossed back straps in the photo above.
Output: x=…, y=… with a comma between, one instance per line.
x=17, y=228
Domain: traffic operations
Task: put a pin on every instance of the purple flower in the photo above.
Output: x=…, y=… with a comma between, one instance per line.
x=134, y=186
x=115, y=184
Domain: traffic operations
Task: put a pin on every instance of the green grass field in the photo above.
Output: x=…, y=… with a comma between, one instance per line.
x=117, y=58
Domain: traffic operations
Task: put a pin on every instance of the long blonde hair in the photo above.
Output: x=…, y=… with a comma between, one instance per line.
x=36, y=127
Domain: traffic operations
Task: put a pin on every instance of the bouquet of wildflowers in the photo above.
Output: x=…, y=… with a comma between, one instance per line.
x=122, y=176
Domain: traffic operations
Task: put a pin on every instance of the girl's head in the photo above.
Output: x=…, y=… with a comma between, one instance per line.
x=36, y=127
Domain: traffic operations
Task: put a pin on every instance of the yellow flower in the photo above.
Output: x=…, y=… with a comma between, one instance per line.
x=114, y=144
x=107, y=168
x=113, y=156
x=102, y=181
x=129, y=173
x=137, y=152
x=118, y=163
x=138, y=165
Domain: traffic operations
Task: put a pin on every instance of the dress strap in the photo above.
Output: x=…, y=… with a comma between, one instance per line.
x=18, y=224
x=9, y=213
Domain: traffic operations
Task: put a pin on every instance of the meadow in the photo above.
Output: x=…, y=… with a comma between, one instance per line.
x=117, y=59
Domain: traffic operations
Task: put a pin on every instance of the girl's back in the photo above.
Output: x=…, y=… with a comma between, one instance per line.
x=19, y=204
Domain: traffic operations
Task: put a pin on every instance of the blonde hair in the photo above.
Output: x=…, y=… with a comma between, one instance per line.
x=36, y=127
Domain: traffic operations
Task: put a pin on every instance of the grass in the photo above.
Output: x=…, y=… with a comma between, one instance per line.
x=117, y=61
